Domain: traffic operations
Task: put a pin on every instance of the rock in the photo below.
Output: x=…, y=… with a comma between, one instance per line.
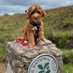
x=19, y=57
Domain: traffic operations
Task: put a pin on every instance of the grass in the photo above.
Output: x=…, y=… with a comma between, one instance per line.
x=67, y=56
x=68, y=60
x=2, y=55
x=68, y=68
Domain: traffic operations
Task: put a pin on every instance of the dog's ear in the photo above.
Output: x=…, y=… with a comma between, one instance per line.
x=43, y=13
x=29, y=11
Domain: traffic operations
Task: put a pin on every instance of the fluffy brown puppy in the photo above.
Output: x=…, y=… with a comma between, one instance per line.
x=33, y=28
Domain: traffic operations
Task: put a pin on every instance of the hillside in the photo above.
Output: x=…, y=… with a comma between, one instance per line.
x=60, y=24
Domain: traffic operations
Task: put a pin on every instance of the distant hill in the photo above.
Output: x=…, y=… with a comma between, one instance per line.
x=61, y=18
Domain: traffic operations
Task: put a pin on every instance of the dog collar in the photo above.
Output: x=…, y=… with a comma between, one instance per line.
x=35, y=24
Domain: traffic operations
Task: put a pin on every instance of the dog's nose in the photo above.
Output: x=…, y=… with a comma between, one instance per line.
x=35, y=18
x=36, y=15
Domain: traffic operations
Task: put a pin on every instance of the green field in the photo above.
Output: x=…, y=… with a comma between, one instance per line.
x=59, y=27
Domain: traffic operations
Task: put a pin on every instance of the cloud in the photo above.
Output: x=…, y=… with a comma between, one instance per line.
x=68, y=2
x=12, y=9
x=19, y=6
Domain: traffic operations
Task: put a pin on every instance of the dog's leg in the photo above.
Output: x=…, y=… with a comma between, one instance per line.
x=31, y=39
x=41, y=33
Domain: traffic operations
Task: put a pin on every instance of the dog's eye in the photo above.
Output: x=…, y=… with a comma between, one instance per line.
x=32, y=13
x=36, y=12
x=39, y=12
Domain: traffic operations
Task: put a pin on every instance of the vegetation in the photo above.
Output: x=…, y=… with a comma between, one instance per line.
x=59, y=27
x=68, y=68
x=59, y=24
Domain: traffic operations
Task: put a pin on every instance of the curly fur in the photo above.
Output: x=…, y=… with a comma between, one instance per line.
x=33, y=28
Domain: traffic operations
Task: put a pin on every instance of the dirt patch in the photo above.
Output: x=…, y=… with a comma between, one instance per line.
x=2, y=68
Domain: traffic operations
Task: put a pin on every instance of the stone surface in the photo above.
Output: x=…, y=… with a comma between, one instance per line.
x=20, y=57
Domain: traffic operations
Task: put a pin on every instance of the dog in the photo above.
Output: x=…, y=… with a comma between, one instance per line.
x=34, y=29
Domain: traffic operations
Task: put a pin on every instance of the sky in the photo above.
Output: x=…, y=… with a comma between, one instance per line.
x=19, y=6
